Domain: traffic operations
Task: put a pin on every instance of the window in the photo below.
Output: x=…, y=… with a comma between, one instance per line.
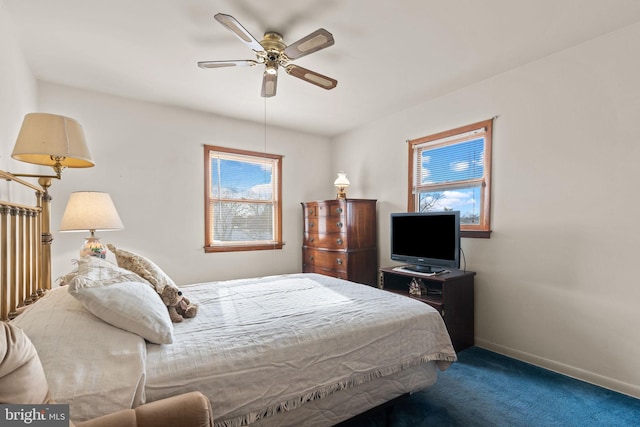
x=243, y=207
x=452, y=171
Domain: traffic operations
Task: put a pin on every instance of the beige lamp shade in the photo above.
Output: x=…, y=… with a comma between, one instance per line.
x=90, y=210
x=50, y=140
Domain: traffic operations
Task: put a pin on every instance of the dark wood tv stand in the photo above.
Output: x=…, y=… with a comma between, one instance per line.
x=450, y=293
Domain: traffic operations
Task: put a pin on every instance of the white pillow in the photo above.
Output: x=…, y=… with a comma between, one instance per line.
x=115, y=295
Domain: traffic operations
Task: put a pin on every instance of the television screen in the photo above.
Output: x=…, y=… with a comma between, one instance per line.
x=427, y=241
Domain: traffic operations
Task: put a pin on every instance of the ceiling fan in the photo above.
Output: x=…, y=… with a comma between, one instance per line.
x=274, y=53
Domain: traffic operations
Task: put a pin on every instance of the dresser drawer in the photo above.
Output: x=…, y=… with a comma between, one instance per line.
x=321, y=225
x=327, y=272
x=325, y=259
x=310, y=210
x=331, y=209
x=324, y=240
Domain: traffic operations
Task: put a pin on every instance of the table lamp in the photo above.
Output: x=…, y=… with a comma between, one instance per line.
x=91, y=210
x=341, y=183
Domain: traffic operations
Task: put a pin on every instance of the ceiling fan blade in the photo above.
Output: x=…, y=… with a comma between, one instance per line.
x=315, y=41
x=311, y=77
x=221, y=64
x=269, y=84
x=232, y=24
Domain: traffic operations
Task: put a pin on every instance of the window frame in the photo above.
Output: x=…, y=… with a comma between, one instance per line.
x=483, y=228
x=277, y=242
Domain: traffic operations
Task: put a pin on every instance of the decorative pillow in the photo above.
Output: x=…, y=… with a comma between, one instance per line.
x=94, y=268
x=122, y=299
x=144, y=267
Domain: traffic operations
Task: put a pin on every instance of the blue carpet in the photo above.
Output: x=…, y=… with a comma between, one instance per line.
x=487, y=389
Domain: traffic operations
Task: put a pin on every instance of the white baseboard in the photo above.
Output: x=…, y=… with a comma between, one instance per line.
x=570, y=371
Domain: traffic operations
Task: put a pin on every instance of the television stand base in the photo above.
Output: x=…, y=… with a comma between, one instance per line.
x=451, y=293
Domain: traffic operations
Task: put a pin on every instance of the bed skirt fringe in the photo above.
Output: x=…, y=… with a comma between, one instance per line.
x=443, y=361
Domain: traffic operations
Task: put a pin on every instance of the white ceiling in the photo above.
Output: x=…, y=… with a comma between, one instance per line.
x=388, y=55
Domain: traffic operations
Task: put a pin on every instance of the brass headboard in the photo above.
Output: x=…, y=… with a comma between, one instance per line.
x=25, y=248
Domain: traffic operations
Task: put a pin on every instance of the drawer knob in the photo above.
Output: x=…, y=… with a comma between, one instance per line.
x=339, y=210
x=310, y=257
x=339, y=241
x=310, y=239
x=339, y=225
x=310, y=225
x=339, y=261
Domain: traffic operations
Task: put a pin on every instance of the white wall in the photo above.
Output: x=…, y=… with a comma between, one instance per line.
x=556, y=283
x=17, y=97
x=150, y=159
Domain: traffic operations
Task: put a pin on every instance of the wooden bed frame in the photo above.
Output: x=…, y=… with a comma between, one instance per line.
x=25, y=248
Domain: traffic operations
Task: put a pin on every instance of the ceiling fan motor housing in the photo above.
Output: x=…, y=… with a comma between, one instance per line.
x=273, y=41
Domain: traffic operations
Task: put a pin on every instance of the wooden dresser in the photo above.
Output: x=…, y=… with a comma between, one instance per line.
x=340, y=239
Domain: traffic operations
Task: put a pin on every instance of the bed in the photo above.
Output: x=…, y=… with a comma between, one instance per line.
x=294, y=349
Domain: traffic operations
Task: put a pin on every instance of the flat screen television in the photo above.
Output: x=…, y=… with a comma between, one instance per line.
x=428, y=242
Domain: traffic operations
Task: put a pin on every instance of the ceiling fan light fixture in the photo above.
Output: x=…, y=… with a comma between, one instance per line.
x=273, y=53
x=271, y=67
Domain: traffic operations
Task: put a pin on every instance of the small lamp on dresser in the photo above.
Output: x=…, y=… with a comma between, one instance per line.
x=341, y=183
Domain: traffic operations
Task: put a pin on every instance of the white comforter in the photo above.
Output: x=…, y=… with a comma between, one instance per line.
x=261, y=346
x=93, y=366
x=257, y=347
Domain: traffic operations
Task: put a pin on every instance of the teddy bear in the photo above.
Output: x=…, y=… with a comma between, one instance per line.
x=179, y=306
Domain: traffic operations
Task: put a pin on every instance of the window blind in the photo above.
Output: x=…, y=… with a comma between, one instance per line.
x=450, y=160
x=242, y=206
